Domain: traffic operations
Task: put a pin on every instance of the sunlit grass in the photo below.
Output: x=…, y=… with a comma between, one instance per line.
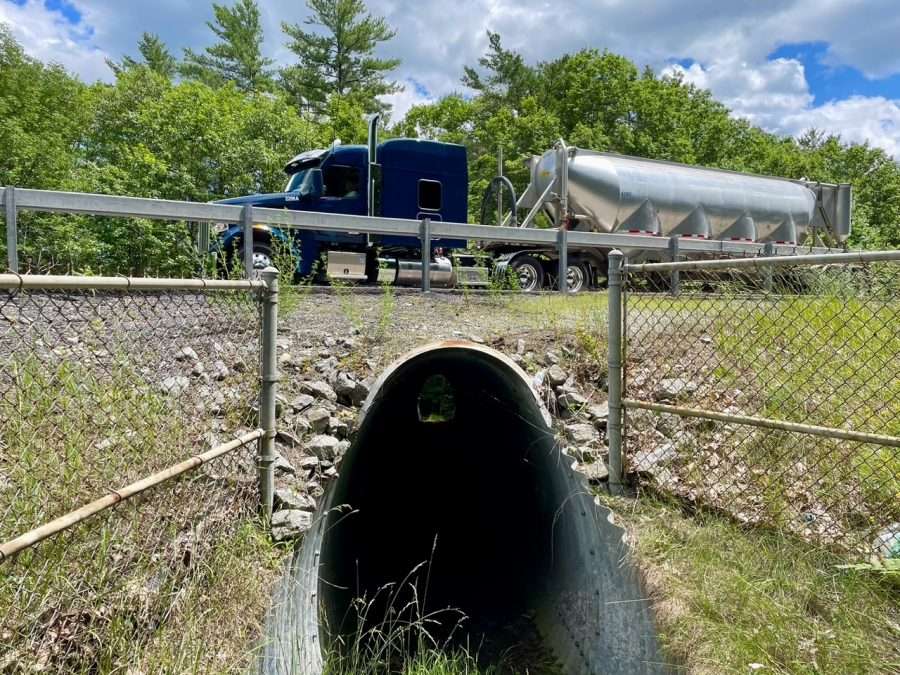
x=727, y=597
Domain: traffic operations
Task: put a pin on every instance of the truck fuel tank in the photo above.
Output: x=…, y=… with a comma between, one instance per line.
x=401, y=272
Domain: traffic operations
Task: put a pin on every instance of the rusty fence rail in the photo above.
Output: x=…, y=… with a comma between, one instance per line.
x=135, y=443
x=765, y=388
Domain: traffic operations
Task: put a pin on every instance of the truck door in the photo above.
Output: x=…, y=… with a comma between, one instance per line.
x=343, y=190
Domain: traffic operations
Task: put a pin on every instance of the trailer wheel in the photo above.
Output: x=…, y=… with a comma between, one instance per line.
x=529, y=272
x=576, y=277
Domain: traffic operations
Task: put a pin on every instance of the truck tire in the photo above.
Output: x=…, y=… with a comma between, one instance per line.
x=529, y=273
x=577, y=277
x=262, y=257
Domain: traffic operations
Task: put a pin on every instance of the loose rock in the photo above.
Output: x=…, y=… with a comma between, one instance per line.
x=318, y=419
x=319, y=389
x=289, y=499
x=572, y=401
x=581, y=433
x=290, y=524
x=361, y=392
x=220, y=370
x=337, y=427
x=344, y=387
x=282, y=467
x=323, y=446
x=598, y=413
x=287, y=438
x=186, y=354
x=175, y=385
x=595, y=471
x=650, y=460
x=309, y=463
x=674, y=388
x=302, y=402
x=668, y=425
x=556, y=375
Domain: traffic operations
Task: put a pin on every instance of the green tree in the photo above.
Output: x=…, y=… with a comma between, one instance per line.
x=43, y=115
x=154, y=55
x=237, y=57
x=338, y=57
x=508, y=79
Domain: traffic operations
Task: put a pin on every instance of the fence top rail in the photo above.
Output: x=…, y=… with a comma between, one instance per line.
x=49, y=281
x=162, y=209
x=762, y=262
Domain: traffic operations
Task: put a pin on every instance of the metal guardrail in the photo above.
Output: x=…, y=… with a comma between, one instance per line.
x=15, y=199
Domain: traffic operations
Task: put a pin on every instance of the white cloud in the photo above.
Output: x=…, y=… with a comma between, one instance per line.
x=435, y=39
x=48, y=36
x=775, y=95
x=402, y=101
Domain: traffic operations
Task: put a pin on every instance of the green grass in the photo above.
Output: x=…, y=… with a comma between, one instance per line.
x=826, y=358
x=727, y=597
x=829, y=362
x=430, y=662
x=157, y=584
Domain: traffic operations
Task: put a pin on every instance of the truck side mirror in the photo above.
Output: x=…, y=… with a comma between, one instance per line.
x=312, y=185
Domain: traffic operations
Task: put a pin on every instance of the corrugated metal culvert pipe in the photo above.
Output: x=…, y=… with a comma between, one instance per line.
x=456, y=487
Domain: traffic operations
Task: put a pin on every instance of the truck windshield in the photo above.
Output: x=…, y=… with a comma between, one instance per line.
x=295, y=181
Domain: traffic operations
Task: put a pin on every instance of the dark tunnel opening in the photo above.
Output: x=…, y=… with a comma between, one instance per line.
x=446, y=480
x=455, y=472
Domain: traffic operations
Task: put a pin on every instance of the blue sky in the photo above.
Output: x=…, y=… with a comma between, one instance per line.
x=786, y=65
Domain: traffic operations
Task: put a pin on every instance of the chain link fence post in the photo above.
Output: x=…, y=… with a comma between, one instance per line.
x=12, y=231
x=616, y=329
x=267, y=391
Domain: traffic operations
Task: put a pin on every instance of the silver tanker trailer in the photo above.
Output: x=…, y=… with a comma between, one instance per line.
x=663, y=207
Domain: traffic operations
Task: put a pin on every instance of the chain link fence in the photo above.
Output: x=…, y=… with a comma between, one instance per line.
x=105, y=383
x=770, y=392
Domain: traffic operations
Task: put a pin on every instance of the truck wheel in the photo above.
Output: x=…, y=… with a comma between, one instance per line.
x=529, y=272
x=576, y=277
x=262, y=257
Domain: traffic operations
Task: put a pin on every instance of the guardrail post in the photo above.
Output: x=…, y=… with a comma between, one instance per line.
x=247, y=224
x=675, y=279
x=425, y=239
x=12, y=231
x=203, y=245
x=616, y=340
x=562, y=244
x=267, y=390
x=768, y=276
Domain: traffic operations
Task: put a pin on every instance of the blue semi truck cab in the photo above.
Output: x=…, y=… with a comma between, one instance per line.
x=407, y=178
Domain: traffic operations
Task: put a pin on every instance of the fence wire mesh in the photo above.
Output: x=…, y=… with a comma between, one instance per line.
x=99, y=389
x=810, y=344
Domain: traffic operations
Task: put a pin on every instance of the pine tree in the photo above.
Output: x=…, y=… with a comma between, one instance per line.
x=238, y=56
x=339, y=60
x=154, y=54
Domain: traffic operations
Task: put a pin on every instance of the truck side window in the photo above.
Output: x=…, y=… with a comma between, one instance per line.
x=429, y=195
x=341, y=181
